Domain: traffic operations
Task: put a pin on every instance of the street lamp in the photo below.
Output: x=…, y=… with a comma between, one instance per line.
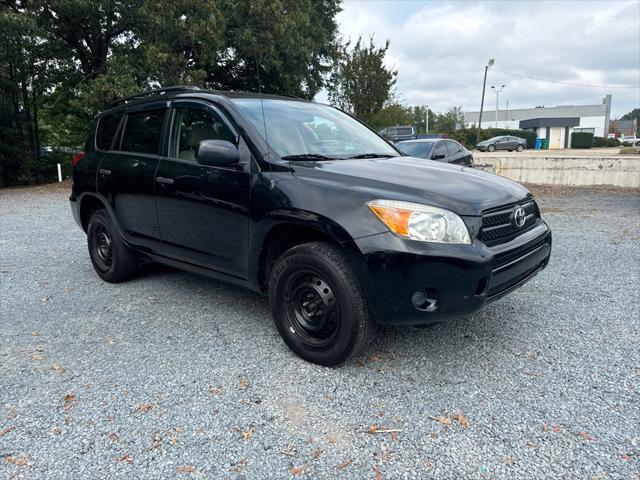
x=426, y=120
x=484, y=86
x=497, y=95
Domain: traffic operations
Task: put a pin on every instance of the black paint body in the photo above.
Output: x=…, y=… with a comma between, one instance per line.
x=216, y=220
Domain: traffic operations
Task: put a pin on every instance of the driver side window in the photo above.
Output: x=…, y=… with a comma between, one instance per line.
x=190, y=127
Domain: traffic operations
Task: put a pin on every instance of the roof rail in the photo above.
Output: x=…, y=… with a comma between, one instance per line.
x=150, y=93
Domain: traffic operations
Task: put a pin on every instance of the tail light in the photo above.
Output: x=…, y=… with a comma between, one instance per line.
x=77, y=157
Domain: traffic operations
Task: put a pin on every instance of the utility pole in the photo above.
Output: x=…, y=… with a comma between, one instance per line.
x=497, y=95
x=426, y=121
x=484, y=85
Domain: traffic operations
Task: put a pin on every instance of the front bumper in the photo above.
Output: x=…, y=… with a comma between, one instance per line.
x=461, y=278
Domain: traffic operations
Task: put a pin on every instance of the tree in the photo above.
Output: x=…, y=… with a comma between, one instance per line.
x=633, y=114
x=360, y=83
x=393, y=113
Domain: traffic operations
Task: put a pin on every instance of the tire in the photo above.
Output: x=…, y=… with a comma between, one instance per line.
x=519, y=148
x=318, y=306
x=112, y=259
x=491, y=148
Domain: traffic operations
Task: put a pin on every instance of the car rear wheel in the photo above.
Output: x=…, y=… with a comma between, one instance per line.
x=112, y=259
x=519, y=148
x=491, y=148
x=318, y=306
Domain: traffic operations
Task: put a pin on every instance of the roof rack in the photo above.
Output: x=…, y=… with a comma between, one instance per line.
x=150, y=93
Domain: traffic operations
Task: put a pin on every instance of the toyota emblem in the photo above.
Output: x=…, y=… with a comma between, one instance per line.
x=519, y=217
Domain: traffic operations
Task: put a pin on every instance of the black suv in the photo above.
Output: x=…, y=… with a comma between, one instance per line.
x=304, y=203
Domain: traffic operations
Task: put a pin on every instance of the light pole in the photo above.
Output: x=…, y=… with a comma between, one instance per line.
x=426, y=121
x=484, y=85
x=497, y=95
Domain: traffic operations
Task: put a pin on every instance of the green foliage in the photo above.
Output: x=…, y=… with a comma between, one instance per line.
x=581, y=140
x=62, y=61
x=612, y=142
x=633, y=114
x=599, y=142
x=360, y=83
x=630, y=151
x=392, y=114
x=468, y=136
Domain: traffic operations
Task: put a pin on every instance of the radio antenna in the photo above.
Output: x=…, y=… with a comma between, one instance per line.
x=264, y=122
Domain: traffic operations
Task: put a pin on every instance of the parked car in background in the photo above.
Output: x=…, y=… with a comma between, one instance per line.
x=503, y=142
x=432, y=135
x=439, y=149
x=630, y=141
x=398, y=133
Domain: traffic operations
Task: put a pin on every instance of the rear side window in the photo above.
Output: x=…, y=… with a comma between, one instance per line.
x=453, y=147
x=142, y=131
x=404, y=131
x=107, y=127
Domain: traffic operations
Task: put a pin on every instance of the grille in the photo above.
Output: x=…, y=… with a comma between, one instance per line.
x=497, y=226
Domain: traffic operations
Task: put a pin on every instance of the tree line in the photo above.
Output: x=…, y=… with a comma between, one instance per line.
x=61, y=61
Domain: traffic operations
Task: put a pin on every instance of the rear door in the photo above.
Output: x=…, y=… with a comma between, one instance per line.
x=126, y=175
x=456, y=153
x=203, y=210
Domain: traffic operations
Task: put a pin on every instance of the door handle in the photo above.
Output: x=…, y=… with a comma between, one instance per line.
x=104, y=171
x=166, y=181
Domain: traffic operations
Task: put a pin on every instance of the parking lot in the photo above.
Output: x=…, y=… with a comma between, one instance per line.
x=173, y=374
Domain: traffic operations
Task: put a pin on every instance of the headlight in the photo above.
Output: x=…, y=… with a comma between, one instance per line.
x=421, y=222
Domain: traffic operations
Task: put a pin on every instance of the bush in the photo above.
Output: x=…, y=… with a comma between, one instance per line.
x=630, y=151
x=613, y=142
x=581, y=140
x=599, y=142
x=468, y=136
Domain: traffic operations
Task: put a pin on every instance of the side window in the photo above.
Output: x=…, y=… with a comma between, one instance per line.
x=142, y=132
x=452, y=147
x=191, y=126
x=441, y=149
x=107, y=127
x=404, y=131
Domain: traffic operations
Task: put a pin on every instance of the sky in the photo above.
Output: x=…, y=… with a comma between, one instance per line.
x=440, y=49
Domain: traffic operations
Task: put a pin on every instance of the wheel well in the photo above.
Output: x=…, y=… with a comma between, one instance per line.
x=87, y=207
x=280, y=239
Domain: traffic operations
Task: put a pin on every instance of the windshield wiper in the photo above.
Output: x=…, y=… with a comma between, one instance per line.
x=306, y=156
x=372, y=155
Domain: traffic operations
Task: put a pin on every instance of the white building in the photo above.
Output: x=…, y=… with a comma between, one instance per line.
x=554, y=123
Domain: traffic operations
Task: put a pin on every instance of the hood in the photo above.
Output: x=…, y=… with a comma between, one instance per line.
x=465, y=191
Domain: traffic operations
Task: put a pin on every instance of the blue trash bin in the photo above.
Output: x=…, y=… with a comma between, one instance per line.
x=538, y=143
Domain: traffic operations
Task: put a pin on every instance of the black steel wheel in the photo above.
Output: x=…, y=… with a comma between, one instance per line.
x=318, y=305
x=112, y=259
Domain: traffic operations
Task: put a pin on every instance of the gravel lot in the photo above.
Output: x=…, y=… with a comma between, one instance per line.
x=176, y=375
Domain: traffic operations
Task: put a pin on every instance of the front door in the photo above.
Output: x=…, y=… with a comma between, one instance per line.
x=203, y=210
x=126, y=176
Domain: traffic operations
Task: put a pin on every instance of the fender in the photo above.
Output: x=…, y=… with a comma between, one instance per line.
x=107, y=206
x=302, y=218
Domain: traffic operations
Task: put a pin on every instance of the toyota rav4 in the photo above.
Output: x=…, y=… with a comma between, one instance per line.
x=305, y=204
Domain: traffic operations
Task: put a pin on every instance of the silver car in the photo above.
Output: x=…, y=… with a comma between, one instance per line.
x=503, y=142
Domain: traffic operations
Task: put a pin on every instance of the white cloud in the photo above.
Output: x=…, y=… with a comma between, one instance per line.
x=440, y=49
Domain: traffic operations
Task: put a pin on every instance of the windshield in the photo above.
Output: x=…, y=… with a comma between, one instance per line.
x=416, y=149
x=312, y=131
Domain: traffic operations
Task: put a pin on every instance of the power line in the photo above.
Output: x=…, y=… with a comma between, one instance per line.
x=563, y=83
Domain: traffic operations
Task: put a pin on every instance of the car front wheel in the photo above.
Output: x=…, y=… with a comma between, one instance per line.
x=317, y=304
x=112, y=259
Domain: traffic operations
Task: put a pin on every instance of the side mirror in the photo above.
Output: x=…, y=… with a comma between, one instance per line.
x=437, y=157
x=217, y=153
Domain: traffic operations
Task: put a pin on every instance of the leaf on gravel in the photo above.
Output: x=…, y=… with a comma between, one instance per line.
x=378, y=472
x=6, y=430
x=215, y=391
x=113, y=436
x=57, y=367
x=186, y=469
x=69, y=398
x=248, y=434
x=556, y=429
x=375, y=357
x=442, y=420
x=244, y=383
x=22, y=460
x=461, y=419
x=125, y=458
x=394, y=436
x=145, y=407
x=35, y=334
x=584, y=435
x=382, y=429
x=297, y=470
x=156, y=441
x=38, y=357
x=345, y=464
x=317, y=453
x=56, y=431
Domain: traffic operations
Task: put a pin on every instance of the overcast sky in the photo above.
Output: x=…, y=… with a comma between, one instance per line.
x=440, y=49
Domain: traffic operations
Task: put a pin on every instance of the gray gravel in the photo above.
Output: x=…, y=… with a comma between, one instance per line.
x=173, y=374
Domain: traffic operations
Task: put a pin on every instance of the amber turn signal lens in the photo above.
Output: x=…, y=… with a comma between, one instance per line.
x=397, y=219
